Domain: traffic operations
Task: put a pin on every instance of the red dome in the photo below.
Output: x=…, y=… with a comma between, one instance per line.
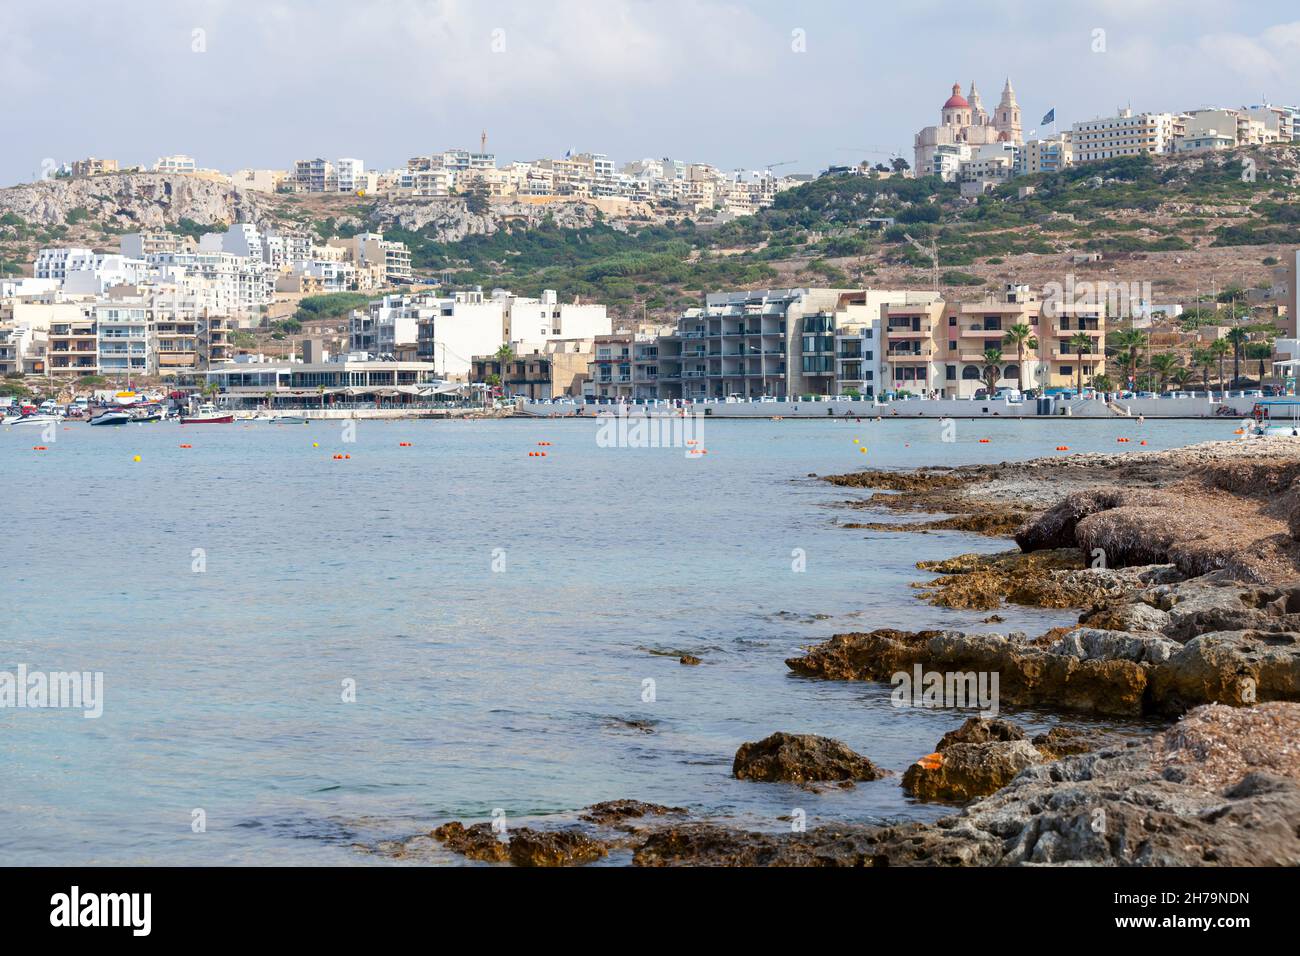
x=956, y=101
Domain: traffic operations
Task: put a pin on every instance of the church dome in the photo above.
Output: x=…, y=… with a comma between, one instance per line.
x=956, y=101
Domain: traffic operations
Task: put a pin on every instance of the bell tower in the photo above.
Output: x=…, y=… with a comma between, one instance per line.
x=1007, y=117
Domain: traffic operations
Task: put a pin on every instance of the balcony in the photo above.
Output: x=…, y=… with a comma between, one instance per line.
x=906, y=331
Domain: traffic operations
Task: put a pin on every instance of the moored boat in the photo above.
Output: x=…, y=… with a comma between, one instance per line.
x=111, y=418
x=208, y=414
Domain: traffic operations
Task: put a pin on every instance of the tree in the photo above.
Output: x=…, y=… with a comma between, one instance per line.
x=1022, y=337
x=992, y=367
x=1237, y=337
x=899, y=164
x=1102, y=383
x=1263, y=351
x=1219, y=348
x=1081, y=342
x=1204, y=360
x=1163, y=365
x=1126, y=345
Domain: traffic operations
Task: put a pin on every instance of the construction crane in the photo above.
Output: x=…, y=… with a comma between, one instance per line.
x=784, y=162
x=931, y=252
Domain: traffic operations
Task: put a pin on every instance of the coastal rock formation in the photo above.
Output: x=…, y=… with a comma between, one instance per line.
x=614, y=812
x=1231, y=667
x=801, y=758
x=1057, y=579
x=1220, y=788
x=1029, y=675
x=962, y=772
x=525, y=846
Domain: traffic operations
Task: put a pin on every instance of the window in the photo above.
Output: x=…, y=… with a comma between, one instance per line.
x=950, y=373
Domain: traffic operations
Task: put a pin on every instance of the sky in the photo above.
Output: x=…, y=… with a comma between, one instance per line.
x=260, y=83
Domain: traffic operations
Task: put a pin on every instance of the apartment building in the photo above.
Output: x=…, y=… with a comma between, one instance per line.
x=556, y=369
x=73, y=347
x=447, y=331
x=315, y=176
x=1049, y=155
x=939, y=348
x=530, y=322
x=392, y=259
x=22, y=349
x=125, y=339
x=1125, y=134
x=81, y=271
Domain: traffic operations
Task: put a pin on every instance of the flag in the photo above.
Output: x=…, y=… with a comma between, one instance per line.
x=1050, y=117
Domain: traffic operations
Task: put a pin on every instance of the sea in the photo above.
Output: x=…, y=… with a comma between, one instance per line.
x=313, y=639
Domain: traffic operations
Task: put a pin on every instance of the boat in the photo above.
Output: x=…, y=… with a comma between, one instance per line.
x=208, y=414
x=1268, y=422
x=289, y=420
x=152, y=413
x=35, y=419
x=111, y=418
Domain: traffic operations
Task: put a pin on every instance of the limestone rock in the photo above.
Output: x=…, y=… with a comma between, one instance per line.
x=801, y=758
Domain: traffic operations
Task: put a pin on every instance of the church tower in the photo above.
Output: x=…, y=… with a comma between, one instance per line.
x=1007, y=118
x=978, y=116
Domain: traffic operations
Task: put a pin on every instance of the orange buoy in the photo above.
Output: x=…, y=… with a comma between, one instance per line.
x=187, y=446
x=39, y=448
x=1142, y=442
x=984, y=441
x=1062, y=447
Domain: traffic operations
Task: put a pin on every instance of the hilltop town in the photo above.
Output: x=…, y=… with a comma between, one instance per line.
x=574, y=277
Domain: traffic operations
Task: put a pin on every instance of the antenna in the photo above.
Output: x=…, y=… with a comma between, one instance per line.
x=482, y=142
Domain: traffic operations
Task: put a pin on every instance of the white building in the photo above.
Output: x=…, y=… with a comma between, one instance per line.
x=1125, y=134
x=350, y=174
x=531, y=323
x=175, y=164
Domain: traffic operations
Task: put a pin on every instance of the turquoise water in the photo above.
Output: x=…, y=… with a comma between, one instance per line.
x=519, y=689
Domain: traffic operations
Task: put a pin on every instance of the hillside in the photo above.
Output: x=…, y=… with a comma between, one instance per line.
x=1183, y=224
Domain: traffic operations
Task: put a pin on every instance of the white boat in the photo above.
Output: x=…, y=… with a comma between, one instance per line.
x=37, y=419
x=112, y=418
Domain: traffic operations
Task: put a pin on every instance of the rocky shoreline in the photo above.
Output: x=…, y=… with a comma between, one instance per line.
x=1185, y=566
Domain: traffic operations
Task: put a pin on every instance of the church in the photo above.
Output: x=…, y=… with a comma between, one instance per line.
x=964, y=127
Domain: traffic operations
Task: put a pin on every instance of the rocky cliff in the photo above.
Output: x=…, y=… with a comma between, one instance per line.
x=134, y=201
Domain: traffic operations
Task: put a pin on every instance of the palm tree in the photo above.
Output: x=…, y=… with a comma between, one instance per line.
x=505, y=355
x=1220, y=348
x=1182, y=375
x=1204, y=360
x=1163, y=366
x=1262, y=351
x=1237, y=337
x=1022, y=337
x=1082, y=343
x=992, y=366
x=1127, y=345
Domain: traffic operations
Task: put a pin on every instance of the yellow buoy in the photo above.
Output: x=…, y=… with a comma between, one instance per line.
x=136, y=458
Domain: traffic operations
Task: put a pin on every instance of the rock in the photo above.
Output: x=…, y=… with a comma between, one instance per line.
x=690, y=659
x=1063, y=742
x=135, y=201
x=1124, y=616
x=1042, y=579
x=522, y=847
x=1092, y=643
x=1054, y=528
x=620, y=811
x=801, y=758
x=964, y=771
x=702, y=844
x=981, y=730
x=1029, y=676
x=1230, y=667
x=1293, y=523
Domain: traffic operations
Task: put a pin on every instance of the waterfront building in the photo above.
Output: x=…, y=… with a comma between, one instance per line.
x=1050, y=155
x=125, y=338
x=252, y=382
x=557, y=368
